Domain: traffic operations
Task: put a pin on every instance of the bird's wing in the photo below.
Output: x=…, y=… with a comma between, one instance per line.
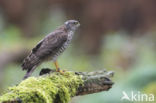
x=45, y=48
x=50, y=44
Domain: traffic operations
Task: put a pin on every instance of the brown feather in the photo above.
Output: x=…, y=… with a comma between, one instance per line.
x=46, y=48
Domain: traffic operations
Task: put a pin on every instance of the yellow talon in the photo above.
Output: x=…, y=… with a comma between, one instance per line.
x=57, y=68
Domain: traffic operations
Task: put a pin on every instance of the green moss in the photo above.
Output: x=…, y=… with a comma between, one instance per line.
x=46, y=89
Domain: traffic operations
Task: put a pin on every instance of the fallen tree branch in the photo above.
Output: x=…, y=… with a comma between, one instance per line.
x=53, y=87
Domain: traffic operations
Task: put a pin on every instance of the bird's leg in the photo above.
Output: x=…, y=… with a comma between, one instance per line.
x=57, y=67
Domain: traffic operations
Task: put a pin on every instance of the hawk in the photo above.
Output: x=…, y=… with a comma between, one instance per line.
x=50, y=47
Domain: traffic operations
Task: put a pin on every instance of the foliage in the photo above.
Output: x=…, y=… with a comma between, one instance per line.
x=150, y=88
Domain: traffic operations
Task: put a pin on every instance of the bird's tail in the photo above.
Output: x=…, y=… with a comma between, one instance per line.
x=29, y=64
x=29, y=72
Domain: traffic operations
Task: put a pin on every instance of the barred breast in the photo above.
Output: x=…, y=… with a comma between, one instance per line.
x=64, y=46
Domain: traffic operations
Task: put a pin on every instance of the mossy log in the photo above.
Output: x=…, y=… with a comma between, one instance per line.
x=53, y=87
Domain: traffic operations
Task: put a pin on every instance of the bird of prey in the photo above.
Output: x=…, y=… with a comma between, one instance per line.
x=50, y=47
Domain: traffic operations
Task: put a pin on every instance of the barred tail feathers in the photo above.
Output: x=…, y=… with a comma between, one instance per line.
x=29, y=62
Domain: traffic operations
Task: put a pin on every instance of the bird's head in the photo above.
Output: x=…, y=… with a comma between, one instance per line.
x=72, y=25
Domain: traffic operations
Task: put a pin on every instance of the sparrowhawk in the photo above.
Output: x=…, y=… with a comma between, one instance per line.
x=50, y=47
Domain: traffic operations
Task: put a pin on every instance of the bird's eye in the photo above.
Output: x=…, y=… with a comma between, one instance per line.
x=75, y=23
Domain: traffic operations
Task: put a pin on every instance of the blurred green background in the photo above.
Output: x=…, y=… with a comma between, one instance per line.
x=116, y=35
